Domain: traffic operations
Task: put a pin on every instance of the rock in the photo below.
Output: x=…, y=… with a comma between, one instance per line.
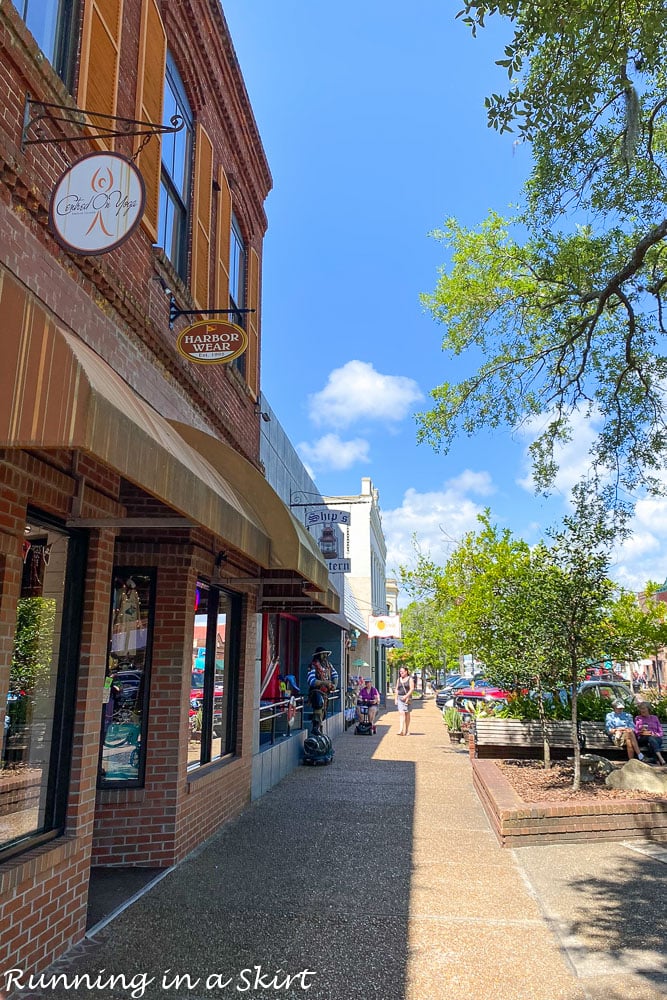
x=639, y=777
x=593, y=767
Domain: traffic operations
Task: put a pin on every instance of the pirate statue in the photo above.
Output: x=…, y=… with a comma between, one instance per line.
x=322, y=680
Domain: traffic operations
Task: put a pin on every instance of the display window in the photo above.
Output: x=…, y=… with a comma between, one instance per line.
x=280, y=703
x=212, y=711
x=39, y=706
x=126, y=686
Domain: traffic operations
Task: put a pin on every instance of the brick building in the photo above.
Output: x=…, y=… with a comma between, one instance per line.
x=141, y=547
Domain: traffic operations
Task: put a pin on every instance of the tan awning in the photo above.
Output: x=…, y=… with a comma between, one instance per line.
x=55, y=392
x=293, y=548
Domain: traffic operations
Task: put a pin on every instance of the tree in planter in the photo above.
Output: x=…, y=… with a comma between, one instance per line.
x=496, y=605
x=427, y=639
x=577, y=595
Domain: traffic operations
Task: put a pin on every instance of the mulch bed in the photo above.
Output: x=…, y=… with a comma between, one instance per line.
x=532, y=783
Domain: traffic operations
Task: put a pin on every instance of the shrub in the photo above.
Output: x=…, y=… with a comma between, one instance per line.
x=452, y=719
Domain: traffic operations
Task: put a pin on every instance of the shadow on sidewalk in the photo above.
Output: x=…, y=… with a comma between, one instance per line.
x=314, y=876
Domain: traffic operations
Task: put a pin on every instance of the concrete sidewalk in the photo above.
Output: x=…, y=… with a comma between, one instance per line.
x=379, y=876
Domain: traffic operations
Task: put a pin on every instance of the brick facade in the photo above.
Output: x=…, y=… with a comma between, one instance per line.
x=116, y=304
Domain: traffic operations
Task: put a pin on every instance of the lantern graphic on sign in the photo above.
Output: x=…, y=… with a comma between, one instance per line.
x=328, y=542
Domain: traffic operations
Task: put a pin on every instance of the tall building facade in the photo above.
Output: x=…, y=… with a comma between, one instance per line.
x=141, y=548
x=366, y=551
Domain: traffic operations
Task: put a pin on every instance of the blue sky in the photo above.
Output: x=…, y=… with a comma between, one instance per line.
x=372, y=117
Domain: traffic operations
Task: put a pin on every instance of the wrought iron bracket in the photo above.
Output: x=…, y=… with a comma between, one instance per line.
x=175, y=312
x=38, y=113
x=298, y=499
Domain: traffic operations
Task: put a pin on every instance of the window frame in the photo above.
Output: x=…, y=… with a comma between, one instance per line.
x=66, y=17
x=238, y=283
x=170, y=197
x=120, y=571
x=67, y=675
x=231, y=674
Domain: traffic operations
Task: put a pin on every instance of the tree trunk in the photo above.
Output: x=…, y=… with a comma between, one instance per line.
x=576, y=784
x=546, y=747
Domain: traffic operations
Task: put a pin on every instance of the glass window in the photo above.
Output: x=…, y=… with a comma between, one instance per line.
x=51, y=23
x=125, y=694
x=175, y=178
x=36, y=736
x=214, y=678
x=237, y=275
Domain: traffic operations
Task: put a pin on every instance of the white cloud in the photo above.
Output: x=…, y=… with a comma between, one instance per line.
x=643, y=556
x=439, y=519
x=358, y=392
x=330, y=452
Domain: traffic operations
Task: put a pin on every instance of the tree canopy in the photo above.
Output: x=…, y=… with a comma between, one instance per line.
x=565, y=300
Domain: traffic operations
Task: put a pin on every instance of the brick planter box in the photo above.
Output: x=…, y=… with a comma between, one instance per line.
x=19, y=790
x=520, y=824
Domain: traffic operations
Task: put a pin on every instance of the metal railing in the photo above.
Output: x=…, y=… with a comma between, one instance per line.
x=275, y=717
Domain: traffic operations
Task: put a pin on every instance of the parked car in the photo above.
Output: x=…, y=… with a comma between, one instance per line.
x=197, y=700
x=608, y=690
x=468, y=701
x=446, y=694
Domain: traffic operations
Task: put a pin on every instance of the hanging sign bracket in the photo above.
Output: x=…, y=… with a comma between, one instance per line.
x=39, y=113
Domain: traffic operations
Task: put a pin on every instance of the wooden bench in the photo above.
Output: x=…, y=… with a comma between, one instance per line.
x=503, y=737
x=594, y=739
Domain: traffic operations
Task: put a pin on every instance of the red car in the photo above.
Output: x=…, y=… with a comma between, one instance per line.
x=476, y=697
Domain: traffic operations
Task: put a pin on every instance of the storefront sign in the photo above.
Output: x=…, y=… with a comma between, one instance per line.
x=328, y=516
x=212, y=342
x=97, y=203
x=384, y=626
x=339, y=565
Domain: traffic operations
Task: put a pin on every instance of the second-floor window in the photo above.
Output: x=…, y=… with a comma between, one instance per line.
x=176, y=169
x=237, y=272
x=51, y=23
x=237, y=284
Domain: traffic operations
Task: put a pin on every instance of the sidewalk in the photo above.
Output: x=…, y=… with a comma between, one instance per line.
x=378, y=876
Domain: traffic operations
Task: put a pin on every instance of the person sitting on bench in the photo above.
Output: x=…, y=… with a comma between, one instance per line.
x=370, y=697
x=620, y=728
x=648, y=730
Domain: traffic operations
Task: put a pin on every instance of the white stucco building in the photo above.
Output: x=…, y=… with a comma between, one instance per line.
x=366, y=550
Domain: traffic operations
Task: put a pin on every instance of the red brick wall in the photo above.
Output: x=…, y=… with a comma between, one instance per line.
x=116, y=304
x=160, y=823
x=43, y=892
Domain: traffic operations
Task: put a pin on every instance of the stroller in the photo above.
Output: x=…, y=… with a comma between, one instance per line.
x=364, y=726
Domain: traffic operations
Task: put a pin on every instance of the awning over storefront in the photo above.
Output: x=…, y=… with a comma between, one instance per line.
x=293, y=548
x=55, y=392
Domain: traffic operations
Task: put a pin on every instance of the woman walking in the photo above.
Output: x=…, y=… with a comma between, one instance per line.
x=405, y=685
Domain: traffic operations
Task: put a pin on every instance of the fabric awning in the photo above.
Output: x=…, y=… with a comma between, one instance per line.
x=293, y=548
x=56, y=393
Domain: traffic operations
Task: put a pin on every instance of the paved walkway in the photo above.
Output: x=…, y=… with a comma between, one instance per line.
x=380, y=876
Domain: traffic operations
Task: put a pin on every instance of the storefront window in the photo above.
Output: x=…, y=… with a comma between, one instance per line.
x=36, y=738
x=125, y=694
x=279, y=684
x=214, y=677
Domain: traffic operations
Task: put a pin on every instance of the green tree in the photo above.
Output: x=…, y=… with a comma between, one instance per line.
x=578, y=595
x=643, y=625
x=564, y=302
x=497, y=605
